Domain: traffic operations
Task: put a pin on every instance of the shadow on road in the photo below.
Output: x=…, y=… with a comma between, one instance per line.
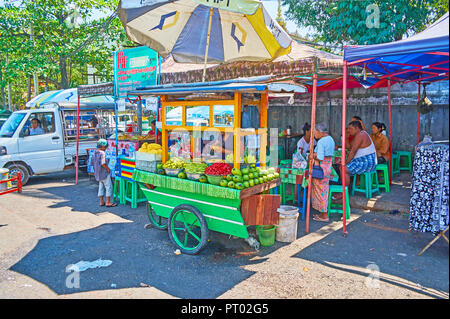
x=138, y=255
x=382, y=242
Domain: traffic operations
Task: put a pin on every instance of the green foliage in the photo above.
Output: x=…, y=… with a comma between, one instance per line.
x=352, y=21
x=67, y=37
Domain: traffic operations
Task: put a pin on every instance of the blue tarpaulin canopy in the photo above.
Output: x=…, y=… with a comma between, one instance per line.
x=421, y=57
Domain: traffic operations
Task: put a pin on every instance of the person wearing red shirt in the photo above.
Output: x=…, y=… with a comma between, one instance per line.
x=151, y=133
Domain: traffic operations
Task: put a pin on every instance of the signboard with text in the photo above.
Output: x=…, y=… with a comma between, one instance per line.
x=134, y=68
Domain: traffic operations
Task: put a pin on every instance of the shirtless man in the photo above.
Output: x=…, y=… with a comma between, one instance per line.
x=362, y=156
x=349, y=136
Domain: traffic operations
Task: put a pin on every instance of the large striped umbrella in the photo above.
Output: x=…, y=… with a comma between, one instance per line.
x=205, y=31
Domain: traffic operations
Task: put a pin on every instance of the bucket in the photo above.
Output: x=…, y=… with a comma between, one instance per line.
x=4, y=175
x=287, y=224
x=266, y=234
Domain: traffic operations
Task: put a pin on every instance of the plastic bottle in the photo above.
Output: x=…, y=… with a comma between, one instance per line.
x=131, y=151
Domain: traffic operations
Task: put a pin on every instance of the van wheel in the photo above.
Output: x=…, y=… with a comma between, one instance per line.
x=15, y=168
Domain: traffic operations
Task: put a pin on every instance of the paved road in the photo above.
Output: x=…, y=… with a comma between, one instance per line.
x=54, y=224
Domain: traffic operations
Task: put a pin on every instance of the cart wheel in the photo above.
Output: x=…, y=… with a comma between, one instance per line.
x=157, y=221
x=188, y=229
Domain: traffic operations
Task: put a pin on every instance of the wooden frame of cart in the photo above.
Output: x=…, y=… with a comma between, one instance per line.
x=190, y=209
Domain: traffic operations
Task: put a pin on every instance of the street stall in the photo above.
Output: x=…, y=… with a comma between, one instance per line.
x=422, y=58
x=211, y=173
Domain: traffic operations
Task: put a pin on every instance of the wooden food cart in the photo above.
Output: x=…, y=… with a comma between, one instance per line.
x=189, y=209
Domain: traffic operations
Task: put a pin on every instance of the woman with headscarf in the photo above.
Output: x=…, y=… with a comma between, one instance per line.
x=323, y=156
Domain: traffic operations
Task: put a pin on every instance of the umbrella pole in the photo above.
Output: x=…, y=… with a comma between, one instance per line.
x=418, y=117
x=344, y=137
x=78, y=138
x=390, y=130
x=207, y=43
x=311, y=152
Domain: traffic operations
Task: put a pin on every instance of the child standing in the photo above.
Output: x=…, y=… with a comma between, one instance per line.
x=102, y=174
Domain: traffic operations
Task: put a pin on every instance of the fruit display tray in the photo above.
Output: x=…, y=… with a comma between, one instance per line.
x=201, y=188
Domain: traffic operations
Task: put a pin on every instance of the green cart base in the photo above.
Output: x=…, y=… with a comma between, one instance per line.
x=189, y=216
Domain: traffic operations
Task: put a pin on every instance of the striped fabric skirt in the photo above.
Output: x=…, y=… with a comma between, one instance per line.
x=320, y=187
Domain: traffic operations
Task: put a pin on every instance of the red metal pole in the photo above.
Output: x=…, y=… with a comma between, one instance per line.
x=418, y=118
x=390, y=131
x=344, y=124
x=311, y=149
x=78, y=138
x=19, y=182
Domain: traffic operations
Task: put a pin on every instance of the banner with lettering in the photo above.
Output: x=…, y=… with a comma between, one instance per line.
x=134, y=68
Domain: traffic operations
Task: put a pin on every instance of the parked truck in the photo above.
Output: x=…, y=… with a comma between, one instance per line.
x=43, y=140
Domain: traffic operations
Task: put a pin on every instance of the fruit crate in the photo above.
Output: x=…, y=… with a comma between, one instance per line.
x=291, y=175
x=148, y=166
x=143, y=156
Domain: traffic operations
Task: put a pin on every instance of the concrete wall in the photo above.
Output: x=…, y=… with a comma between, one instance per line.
x=371, y=106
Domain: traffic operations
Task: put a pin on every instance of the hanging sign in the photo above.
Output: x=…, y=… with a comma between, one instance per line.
x=151, y=104
x=121, y=105
x=134, y=68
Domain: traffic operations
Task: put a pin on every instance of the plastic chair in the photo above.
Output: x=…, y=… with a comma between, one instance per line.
x=285, y=163
x=302, y=209
x=407, y=164
x=116, y=193
x=337, y=208
x=133, y=194
x=285, y=197
x=395, y=164
x=385, y=173
x=368, y=184
x=281, y=153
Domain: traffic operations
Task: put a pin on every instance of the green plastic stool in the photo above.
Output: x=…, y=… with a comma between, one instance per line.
x=368, y=184
x=133, y=194
x=395, y=164
x=116, y=192
x=285, y=197
x=285, y=164
x=407, y=165
x=385, y=171
x=337, y=208
x=281, y=153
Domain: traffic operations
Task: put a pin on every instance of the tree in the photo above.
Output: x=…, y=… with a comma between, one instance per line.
x=366, y=21
x=57, y=39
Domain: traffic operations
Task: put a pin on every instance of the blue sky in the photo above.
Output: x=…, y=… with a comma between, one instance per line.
x=272, y=7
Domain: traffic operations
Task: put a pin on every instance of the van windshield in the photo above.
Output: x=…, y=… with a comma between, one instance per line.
x=12, y=123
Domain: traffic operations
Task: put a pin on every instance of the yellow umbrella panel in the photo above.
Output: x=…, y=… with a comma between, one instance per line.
x=195, y=31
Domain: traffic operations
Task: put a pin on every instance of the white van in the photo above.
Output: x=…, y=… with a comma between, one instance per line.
x=41, y=141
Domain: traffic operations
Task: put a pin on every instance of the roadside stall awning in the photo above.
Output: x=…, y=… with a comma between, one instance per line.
x=68, y=96
x=302, y=59
x=243, y=85
x=421, y=57
x=100, y=95
x=96, y=89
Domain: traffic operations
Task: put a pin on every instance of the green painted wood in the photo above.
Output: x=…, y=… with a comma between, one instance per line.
x=226, y=219
x=185, y=185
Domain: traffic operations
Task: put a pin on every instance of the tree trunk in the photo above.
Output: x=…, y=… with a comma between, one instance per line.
x=29, y=88
x=63, y=70
x=3, y=90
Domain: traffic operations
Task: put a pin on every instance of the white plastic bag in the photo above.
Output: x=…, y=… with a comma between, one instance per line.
x=298, y=161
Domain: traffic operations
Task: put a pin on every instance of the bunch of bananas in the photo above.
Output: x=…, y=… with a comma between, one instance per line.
x=151, y=148
x=123, y=137
x=174, y=163
x=250, y=159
